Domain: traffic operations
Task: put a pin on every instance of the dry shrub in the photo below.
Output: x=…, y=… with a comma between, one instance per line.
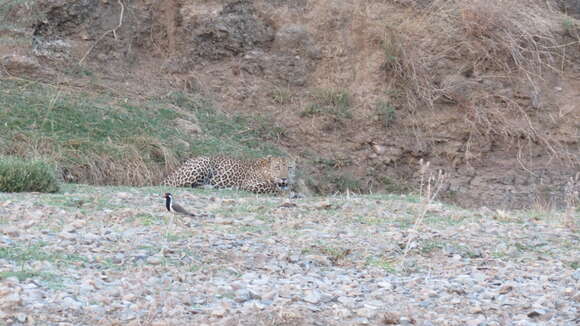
x=139, y=161
x=487, y=57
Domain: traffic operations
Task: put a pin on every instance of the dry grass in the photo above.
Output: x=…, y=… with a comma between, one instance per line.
x=467, y=53
x=103, y=140
x=431, y=184
x=487, y=58
x=572, y=193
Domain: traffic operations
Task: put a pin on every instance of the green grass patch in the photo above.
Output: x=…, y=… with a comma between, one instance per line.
x=223, y=134
x=17, y=175
x=282, y=96
x=332, y=102
x=147, y=219
x=37, y=252
x=386, y=264
x=99, y=139
x=386, y=113
x=50, y=280
x=428, y=246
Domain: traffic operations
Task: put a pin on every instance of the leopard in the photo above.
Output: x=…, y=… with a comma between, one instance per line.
x=266, y=175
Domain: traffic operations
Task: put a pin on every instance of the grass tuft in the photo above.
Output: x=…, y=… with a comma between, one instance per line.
x=17, y=175
x=333, y=102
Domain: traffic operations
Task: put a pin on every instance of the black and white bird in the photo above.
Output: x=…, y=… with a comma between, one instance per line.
x=175, y=208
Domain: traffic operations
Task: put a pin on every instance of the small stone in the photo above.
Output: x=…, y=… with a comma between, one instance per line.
x=476, y=309
x=71, y=303
x=361, y=321
x=154, y=260
x=406, y=321
x=318, y=260
x=391, y=318
x=12, y=299
x=123, y=195
x=346, y=301
x=129, y=297
x=269, y=296
x=576, y=298
x=66, y=235
x=536, y=313
x=20, y=65
x=366, y=312
x=576, y=274
x=312, y=297
x=10, y=231
x=385, y=285
x=160, y=323
x=118, y=258
x=242, y=295
x=474, y=322
x=569, y=291
x=505, y=289
x=21, y=317
x=343, y=313
x=223, y=221
x=218, y=311
x=293, y=258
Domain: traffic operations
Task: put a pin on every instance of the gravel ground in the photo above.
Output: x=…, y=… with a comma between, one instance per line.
x=110, y=256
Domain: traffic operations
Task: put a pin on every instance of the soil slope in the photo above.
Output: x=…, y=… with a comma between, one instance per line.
x=360, y=91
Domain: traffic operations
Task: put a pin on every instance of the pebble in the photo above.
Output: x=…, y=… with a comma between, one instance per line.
x=155, y=260
x=242, y=295
x=312, y=297
x=71, y=303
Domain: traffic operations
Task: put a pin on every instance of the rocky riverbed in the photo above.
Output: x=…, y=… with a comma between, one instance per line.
x=113, y=256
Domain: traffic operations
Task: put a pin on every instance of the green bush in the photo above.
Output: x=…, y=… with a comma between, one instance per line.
x=17, y=175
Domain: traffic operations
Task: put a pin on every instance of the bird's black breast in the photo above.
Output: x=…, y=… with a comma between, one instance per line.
x=168, y=204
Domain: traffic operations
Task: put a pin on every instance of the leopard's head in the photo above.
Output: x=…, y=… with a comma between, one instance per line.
x=279, y=170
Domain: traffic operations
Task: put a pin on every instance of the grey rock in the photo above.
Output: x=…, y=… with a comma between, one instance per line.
x=71, y=303
x=155, y=260
x=312, y=296
x=242, y=295
x=576, y=274
x=235, y=30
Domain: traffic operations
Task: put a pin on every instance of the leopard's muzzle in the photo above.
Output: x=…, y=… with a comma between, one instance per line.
x=282, y=183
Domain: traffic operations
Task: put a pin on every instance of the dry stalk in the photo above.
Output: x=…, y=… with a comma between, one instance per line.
x=113, y=31
x=572, y=199
x=430, y=186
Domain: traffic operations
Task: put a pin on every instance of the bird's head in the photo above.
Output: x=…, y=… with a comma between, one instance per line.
x=167, y=195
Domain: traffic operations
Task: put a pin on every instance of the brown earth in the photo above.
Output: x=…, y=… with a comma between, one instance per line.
x=362, y=91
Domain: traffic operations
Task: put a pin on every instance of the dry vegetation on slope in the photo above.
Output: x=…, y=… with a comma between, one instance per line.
x=361, y=91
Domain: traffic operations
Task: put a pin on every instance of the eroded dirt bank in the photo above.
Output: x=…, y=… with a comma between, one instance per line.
x=359, y=91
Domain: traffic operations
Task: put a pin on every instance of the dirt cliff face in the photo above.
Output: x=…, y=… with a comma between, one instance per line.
x=360, y=92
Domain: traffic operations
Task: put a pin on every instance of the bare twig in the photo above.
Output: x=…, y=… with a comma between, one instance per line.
x=429, y=189
x=113, y=31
